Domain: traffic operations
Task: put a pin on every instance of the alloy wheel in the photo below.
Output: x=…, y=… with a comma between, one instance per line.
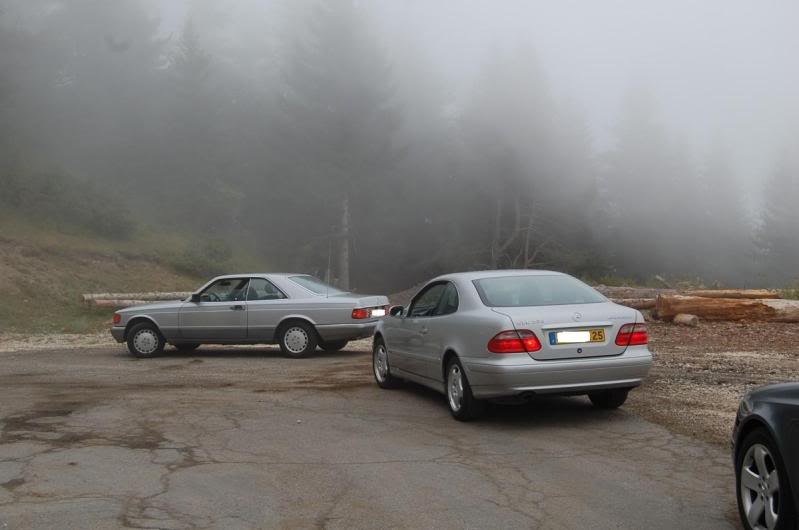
x=146, y=341
x=381, y=363
x=760, y=488
x=296, y=339
x=455, y=387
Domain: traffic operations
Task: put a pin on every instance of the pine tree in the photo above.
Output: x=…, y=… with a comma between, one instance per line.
x=340, y=121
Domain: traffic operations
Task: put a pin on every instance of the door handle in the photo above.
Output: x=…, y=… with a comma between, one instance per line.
x=423, y=331
x=237, y=307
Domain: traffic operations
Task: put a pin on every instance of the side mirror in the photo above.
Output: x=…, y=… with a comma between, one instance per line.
x=396, y=311
x=196, y=297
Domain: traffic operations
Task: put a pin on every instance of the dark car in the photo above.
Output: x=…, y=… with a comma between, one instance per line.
x=765, y=449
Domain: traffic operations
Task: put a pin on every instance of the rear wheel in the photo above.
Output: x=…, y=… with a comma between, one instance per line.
x=297, y=339
x=764, y=494
x=609, y=399
x=144, y=340
x=333, y=345
x=380, y=368
x=462, y=404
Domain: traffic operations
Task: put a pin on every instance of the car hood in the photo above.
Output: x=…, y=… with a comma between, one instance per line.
x=151, y=307
x=785, y=392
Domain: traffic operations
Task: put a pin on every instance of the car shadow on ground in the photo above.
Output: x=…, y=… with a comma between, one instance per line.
x=538, y=411
x=250, y=352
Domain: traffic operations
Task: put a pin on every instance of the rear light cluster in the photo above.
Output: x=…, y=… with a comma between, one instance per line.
x=117, y=318
x=632, y=335
x=369, y=312
x=514, y=341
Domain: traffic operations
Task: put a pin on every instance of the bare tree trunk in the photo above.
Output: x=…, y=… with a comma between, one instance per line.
x=344, y=248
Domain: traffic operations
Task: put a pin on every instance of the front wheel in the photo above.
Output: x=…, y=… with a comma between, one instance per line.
x=333, y=345
x=462, y=403
x=144, y=340
x=297, y=339
x=609, y=399
x=764, y=494
x=380, y=368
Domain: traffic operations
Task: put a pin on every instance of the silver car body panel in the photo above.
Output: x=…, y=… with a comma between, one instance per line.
x=255, y=321
x=417, y=346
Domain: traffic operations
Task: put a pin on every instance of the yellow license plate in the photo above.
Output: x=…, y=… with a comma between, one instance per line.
x=577, y=337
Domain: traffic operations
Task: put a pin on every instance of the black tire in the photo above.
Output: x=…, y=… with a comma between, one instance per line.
x=470, y=407
x=382, y=374
x=145, y=340
x=334, y=345
x=785, y=510
x=187, y=347
x=609, y=399
x=297, y=339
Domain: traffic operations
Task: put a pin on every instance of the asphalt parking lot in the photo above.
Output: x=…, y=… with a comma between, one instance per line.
x=243, y=438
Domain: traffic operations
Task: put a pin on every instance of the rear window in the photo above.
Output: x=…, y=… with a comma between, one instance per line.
x=315, y=285
x=538, y=290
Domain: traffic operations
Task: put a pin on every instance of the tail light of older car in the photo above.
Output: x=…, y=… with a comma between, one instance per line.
x=361, y=313
x=632, y=335
x=514, y=341
x=370, y=312
x=116, y=319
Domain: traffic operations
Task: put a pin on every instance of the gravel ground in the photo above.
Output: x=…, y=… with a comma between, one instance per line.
x=700, y=373
x=698, y=377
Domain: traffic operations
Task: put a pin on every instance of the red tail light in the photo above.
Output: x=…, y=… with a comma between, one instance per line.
x=632, y=335
x=514, y=341
x=117, y=318
x=359, y=314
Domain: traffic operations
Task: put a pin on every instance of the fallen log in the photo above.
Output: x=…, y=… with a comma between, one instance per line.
x=635, y=303
x=632, y=292
x=118, y=304
x=153, y=295
x=754, y=294
x=767, y=310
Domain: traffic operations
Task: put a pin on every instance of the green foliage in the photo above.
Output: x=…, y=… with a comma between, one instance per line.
x=66, y=203
x=791, y=292
x=209, y=258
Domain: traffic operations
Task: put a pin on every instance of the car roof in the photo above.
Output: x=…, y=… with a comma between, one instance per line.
x=502, y=273
x=259, y=274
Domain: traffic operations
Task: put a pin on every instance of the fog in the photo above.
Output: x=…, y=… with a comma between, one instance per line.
x=379, y=143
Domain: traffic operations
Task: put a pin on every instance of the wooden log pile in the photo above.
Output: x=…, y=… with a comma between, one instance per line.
x=120, y=300
x=708, y=304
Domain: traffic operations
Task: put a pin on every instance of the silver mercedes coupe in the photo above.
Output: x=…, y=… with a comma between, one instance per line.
x=474, y=336
x=296, y=311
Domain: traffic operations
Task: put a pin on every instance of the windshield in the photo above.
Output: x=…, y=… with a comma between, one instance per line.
x=315, y=285
x=538, y=290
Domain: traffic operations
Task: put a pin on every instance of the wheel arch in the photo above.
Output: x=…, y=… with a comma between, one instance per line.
x=288, y=319
x=449, y=354
x=138, y=319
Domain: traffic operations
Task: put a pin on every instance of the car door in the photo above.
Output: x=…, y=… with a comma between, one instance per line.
x=435, y=331
x=221, y=313
x=266, y=306
x=417, y=355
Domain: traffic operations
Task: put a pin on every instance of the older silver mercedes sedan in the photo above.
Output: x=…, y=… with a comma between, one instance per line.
x=296, y=311
x=479, y=335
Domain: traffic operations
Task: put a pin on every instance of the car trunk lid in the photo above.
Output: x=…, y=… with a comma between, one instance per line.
x=572, y=331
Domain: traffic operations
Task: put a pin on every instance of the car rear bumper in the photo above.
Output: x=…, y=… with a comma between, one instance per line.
x=118, y=332
x=495, y=379
x=353, y=331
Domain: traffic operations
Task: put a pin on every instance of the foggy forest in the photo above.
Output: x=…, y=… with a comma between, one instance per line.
x=379, y=143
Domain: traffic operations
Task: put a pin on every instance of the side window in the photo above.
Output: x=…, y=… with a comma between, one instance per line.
x=226, y=290
x=262, y=289
x=426, y=302
x=449, y=301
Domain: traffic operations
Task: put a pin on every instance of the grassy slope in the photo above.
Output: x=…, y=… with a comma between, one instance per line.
x=44, y=271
